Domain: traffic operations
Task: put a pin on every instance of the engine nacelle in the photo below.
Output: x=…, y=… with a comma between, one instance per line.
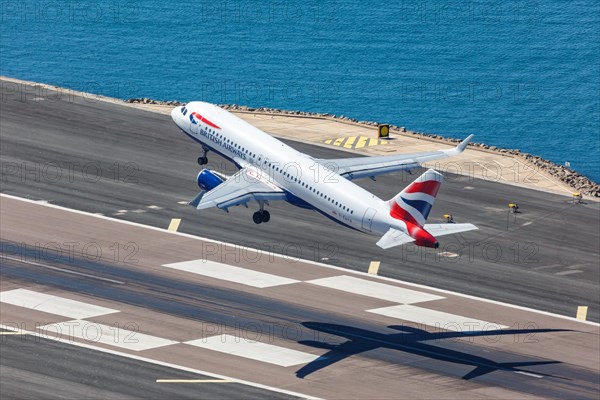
x=208, y=180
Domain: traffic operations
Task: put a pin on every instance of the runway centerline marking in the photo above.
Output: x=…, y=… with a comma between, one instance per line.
x=258, y=351
x=377, y=290
x=53, y=304
x=231, y=273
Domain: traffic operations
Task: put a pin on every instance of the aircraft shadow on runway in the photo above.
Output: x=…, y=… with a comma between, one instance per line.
x=412, y=340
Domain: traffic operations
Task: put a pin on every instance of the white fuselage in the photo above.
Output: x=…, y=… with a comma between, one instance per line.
x=296, y=173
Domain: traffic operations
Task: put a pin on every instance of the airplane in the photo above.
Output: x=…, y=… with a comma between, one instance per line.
x=270, y=170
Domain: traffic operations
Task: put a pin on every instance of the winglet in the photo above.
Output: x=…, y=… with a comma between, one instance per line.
x=460, y=148
x=463, y=145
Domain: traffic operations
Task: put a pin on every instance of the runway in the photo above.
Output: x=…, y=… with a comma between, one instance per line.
x=41, y=368
x=91, y=277
x=300, y=327
x=135, y=165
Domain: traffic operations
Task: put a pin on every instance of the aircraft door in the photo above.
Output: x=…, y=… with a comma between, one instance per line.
x=368, y=219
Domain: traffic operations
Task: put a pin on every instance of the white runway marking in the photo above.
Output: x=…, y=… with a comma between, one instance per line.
x=118, y=336
x=311, y=262
x=53, y=304
x=374, y=289
x=230, y=273
x=255, y=350
x=448, y=254
x=435, y=318
x=130, y=356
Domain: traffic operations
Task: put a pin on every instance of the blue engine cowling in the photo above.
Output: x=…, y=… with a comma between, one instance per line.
x=208, y=180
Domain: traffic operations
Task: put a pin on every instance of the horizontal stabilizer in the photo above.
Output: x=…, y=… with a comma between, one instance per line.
x=394, y=237
x=448, y=229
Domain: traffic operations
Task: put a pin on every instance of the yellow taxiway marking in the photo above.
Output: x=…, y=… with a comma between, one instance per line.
x=374, y=267
x=349, y=143
x=355, y=142
x=174, y=225
x=194, y=381
x=378, y=142
x=362, y=142
x=582, y=312
x=13, y=333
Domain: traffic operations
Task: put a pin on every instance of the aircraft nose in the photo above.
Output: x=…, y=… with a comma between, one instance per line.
x=177, y=116
x=176, y=112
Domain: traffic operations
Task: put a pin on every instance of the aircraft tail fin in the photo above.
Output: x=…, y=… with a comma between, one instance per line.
x=414, y=202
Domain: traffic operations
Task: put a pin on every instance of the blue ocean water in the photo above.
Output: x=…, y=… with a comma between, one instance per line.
x=518, y=74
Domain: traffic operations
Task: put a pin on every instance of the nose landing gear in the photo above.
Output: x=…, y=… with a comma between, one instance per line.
x=203, y=160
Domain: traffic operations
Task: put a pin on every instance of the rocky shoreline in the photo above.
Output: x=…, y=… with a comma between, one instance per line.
x=573, y=179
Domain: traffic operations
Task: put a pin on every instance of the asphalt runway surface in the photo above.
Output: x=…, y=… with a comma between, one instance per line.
x=352, y=351
x=136, y=165
x=36, y=367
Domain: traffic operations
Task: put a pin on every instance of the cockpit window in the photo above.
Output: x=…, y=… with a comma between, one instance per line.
x=184, y=111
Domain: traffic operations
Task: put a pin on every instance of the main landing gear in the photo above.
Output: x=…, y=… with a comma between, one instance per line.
x=203, y=160
x=261, y=216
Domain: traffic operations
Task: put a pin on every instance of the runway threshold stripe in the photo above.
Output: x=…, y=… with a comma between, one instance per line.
x=111, y=335
x=53, y=304
x=377, y=290
x=438, y=319
x=231, y=273
x=258, y=351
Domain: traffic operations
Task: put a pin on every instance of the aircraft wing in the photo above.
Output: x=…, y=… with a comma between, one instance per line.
x=247, y=184
x=362, y=167
x=448, y=229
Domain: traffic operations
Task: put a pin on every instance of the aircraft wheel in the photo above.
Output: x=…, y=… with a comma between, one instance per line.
x=202, y=160
x=257, y=217
x=266, y=216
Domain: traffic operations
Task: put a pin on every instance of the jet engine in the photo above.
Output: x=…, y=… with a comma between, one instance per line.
x=208, y=179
